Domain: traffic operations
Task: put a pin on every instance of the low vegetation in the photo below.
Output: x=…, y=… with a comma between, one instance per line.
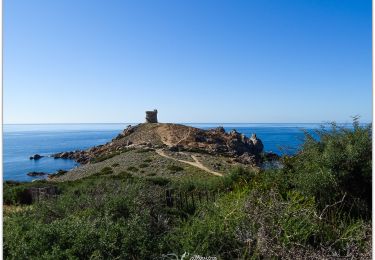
x=174, y=168
x=317, y=206
x=109, y=155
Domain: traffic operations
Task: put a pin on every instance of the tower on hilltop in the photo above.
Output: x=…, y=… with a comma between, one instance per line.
x=152, y=116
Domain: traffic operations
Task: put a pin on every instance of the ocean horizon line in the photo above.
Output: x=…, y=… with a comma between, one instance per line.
x=225, y=123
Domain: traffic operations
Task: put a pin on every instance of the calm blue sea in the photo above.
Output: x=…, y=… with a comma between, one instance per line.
x=22, y=141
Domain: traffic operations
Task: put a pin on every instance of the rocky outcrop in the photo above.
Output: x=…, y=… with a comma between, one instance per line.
x=36, y=174
x=247, y=158
x=217, y=141
x=258, y=145
x=36, y=157
x=56, y=174
x=270, y=156
x=78, y=156
x=177, y=138
x=126, y=132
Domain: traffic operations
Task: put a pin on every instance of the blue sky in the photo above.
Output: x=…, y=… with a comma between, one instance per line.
x=83, y=61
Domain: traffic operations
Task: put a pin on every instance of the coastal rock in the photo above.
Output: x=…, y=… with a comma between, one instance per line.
x=270, y=156
x=258, y=145
x=65, y=155
x=35, y=174
x=220, y=129
x=247, y=158
x=126, y=132
x=36, y=157
x=57, y=174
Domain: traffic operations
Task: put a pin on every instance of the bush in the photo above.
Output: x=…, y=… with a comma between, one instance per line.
x=213, y=229
x=145, y=150
x=132, y=169
x=106, y=171
x=110, y=155
x=105, y=219
x=174, y=168
x=337, y=161
x=159, y=181
x=143, y=165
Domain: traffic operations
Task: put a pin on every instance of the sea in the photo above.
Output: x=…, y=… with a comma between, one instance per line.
x=22, y=141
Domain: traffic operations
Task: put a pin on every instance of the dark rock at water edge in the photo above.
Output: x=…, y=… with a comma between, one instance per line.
x=36, y=174
x=36, y=157
x=56, y=174
x=78, y=156
x=270, y=156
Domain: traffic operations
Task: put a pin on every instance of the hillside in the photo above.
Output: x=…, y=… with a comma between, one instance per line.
x=152, y=200
x=171, y=143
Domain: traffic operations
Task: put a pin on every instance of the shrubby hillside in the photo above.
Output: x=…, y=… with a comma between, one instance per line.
x=317, y=206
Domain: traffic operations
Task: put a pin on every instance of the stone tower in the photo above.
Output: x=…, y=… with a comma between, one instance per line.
x=152, y=116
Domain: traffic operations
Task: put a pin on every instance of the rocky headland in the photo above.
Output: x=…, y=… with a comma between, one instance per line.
x=175, y=138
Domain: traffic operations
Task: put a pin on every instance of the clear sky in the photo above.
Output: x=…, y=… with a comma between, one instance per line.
x=80, y=61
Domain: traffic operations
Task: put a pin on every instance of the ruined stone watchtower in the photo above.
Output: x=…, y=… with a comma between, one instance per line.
x=152, y=116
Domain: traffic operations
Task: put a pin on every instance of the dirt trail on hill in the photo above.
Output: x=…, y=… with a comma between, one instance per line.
x=197, y=163
x=170, y=137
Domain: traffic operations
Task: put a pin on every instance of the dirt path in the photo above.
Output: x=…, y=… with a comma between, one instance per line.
x=196, y=163
x=171, y=138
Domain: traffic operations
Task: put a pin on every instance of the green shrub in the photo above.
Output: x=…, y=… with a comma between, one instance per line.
x=213, y=229
x=143, y=165
x=159, y=181
x=106, y=170
x=115, y=165
x=145, y=150
x=104, y=157
x=174, y=168
x=132, y=169
x=110, y=155
x=125, y=175
x=337, y=161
